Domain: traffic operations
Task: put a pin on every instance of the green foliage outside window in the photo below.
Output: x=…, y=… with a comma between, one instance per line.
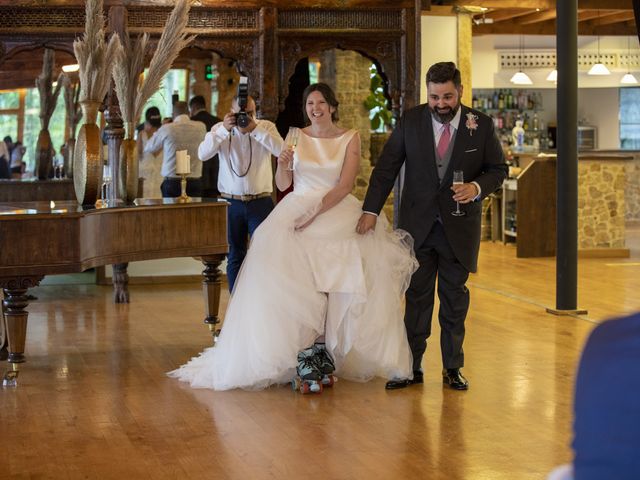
x=175, y=79
x=9, y=100
x=9, y=126
x=630, y=118
x=380, y=116
x=32, y=126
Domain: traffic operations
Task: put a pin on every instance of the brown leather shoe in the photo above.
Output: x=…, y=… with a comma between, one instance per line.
x=455, y=380
x=405, y=382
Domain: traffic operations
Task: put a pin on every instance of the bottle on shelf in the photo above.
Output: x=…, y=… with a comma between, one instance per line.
x=535, y=122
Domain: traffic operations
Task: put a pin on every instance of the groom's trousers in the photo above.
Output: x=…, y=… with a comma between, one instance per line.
x=437, y=260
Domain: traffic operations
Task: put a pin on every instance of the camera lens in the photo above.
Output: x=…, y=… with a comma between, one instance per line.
x=242, y=119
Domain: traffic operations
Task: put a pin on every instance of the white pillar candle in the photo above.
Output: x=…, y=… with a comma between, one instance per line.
x=182, y=162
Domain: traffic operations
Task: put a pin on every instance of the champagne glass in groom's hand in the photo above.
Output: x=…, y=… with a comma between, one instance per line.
x=458, y=179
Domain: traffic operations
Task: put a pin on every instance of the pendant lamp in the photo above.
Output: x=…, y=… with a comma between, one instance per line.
x=628, y=78
x=521, y=78
x=598, y=68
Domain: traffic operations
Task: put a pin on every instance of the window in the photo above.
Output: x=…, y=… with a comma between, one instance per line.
x=9, y=125
x=174, y=80
x=32, y=125
x=630, y=118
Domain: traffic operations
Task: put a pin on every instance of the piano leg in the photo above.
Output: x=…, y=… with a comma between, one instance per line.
x=15, y=317
x=120, y=283
x=211, y=285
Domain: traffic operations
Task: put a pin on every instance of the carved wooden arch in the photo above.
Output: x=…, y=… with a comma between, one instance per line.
x=384, y=53
x=242, y=51
x=10, y=50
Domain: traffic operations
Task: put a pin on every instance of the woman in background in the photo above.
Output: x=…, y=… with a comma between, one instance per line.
x=150, y=164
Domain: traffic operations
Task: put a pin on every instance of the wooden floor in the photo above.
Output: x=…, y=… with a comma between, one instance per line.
x=93, y=400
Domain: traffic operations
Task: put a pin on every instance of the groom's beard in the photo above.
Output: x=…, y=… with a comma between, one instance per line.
x=444, y=115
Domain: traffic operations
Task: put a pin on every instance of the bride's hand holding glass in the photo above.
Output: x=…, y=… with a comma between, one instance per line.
x=292, y=142
x=285, y=160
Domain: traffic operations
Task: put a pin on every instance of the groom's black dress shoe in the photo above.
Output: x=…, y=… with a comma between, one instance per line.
x=455, y=380
x=405, y=382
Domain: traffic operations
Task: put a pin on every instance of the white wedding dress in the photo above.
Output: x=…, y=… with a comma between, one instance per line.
x=150, y=166
x=293, y=286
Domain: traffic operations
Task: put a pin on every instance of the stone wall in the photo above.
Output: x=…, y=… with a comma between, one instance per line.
x=632, y=191
x=348, y=73
x=601, y=203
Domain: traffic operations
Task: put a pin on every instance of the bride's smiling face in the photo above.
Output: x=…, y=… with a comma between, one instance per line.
x=318, y=109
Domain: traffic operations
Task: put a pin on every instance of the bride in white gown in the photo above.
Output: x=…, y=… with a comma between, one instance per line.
x=308, y=274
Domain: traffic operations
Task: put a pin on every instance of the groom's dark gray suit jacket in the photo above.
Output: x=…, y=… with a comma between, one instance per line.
x=476, y=151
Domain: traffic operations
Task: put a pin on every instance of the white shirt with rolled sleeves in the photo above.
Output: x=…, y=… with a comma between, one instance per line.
x=243, y=152
x=181, y=134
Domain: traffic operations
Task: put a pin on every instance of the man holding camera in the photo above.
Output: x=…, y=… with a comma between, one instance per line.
x=245, y=179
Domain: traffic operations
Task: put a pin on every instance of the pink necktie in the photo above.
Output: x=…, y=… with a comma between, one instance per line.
x=443, y=143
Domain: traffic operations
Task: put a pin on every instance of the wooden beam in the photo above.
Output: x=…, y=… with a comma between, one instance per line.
x=537, y=17
x=508, y=14
x=549, y=28
x=615, y=18
x=545, y=4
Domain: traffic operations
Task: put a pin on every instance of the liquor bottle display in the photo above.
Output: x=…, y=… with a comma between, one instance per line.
x=509, y=108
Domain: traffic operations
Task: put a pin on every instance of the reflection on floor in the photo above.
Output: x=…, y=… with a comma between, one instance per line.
x=93, y=400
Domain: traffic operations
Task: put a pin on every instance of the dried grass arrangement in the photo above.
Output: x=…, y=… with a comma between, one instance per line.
x=48, y=99
x=95, y=57
x=71, y=92
x=133, y=94
x=44, y=83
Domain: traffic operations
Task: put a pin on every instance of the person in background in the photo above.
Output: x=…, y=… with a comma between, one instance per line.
x=245, y=176
x=150, y=163
x=5, y=157
x=431, y=141
x=16, y=160
x=181, y=134
x=198, y=112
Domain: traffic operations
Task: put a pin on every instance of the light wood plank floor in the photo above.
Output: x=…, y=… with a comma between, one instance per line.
x=93, y=400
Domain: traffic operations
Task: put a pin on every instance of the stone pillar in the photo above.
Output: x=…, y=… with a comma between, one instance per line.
x=226, y=84
x=199, y=85
x=465, y=43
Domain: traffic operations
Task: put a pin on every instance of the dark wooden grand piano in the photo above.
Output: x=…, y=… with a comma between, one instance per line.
x=43, y=238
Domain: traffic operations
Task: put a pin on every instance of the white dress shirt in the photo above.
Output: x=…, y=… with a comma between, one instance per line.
x=245, y=158
x=438, y=128
x=181, y=134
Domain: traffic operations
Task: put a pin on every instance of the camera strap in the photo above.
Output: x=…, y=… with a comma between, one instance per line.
x=250, y=158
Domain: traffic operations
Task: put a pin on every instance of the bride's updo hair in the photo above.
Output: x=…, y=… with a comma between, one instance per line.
x=328, y=95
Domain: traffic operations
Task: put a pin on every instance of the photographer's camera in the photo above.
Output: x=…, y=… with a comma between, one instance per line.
x=242, y=117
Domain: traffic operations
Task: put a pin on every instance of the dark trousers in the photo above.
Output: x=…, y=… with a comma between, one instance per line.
x=242, y=219
x=436, y=259
x=170, y=187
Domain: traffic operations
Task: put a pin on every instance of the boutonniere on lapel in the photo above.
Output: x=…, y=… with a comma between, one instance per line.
x=472, y=123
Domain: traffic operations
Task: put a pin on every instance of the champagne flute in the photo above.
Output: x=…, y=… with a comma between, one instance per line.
x=458, y=179
x=292, y=142
x=105, y=191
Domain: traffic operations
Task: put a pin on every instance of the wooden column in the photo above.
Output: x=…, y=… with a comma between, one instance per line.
x=465, y=43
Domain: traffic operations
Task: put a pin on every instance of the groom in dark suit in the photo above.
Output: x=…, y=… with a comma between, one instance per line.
x=432, y=141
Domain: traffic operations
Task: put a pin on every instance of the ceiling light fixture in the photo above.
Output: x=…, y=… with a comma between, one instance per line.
x=70, y=68
x=521, y=78
x=599, y=68
x=628, y=78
